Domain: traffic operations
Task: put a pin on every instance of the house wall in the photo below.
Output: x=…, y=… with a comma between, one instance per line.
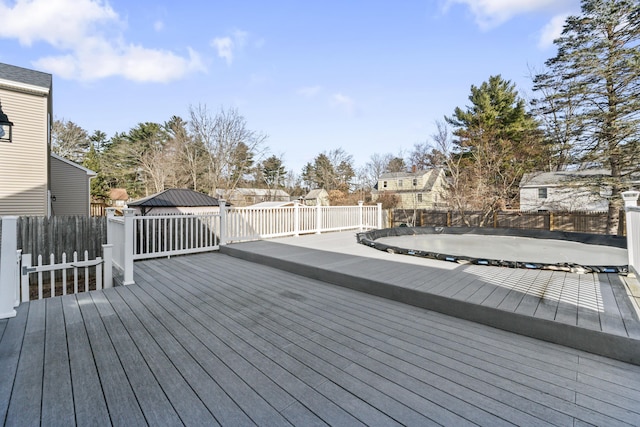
x=24, y=162
x=70, y=187
x=402, y=183
x=432, y=197
x=562, y=199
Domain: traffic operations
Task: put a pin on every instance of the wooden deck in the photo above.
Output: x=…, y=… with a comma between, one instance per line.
x=210, y=339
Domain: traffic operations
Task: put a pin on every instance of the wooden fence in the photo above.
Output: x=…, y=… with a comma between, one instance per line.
x=583, y=222
x=62, y=234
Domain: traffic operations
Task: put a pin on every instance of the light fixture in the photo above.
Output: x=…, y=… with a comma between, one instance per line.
x=5, y=127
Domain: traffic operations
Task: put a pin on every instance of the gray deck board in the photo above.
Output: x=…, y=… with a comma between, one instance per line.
x=91, y=409
x=28, y=384
x=57, y=375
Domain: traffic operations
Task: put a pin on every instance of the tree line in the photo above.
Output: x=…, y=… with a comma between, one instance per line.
x=585, y=114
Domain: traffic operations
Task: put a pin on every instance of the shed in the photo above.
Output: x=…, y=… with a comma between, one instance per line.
x=174, y=201
x=317, y=196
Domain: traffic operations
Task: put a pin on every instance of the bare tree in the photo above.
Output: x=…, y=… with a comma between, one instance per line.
x=228, y=143
x=69, y=140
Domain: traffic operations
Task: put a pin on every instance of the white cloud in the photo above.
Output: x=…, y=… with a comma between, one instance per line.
x=89, y=36
x=491, y=13
x=552, y=31
x=345, y=102
x=224, y=46
x=228, y=46
x=309, y=91
x=158, y=25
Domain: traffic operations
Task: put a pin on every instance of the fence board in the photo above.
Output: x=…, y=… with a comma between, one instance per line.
x=62, y=234
x=582, y=222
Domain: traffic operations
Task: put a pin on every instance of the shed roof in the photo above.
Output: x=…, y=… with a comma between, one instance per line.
x=25, y=76
x=176, y=197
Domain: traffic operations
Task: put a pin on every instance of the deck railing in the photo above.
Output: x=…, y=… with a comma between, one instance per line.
x=633, y=229
x=141, y=237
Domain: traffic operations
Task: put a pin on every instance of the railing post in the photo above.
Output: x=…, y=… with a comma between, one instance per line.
x=107, y=256
x=318, y=217
x=296, y=218
x=380, y=216
x=222, y=238
x=129, y=237
x=24, y=277
x=633, y=241
x=8, y=264
x=360, y=214
x=111, y=213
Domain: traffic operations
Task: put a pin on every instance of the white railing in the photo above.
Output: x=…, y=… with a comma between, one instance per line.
x=64, y=278
x=633, y=230
x=143, y=237
x=167, y=235
x=249, y=223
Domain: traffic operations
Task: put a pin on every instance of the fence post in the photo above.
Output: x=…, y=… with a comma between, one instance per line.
x=318, y=217
x=380, y=216
x=296, y=218
x=111, y=213
x=107, y=256
x=129, y=238
x=8, y=265
x=24, y=277
x=360, y=214
x=633, y=241
x=222, y=238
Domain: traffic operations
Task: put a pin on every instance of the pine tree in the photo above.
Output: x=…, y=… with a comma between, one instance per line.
x=597, y=72
x=496, y=141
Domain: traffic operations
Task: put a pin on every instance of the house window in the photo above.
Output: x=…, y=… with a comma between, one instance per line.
x=399, y=183
x=542, y=193
x=384, y=184
x=419, y=197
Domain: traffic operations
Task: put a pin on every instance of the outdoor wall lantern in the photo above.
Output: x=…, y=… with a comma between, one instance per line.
x=5, y=126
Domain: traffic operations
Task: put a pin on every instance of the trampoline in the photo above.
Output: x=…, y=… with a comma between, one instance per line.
x=532, y=249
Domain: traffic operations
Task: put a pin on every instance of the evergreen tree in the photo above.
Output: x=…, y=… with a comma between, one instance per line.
x=598, y=69
x=496, y=142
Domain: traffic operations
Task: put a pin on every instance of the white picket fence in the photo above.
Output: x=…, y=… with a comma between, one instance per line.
x=56, y=276
x=633, y=230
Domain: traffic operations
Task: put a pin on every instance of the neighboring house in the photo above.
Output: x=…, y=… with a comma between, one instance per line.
x=251, y=196
x=173, y=201
x=417, y=190
x=317, y=196
x=25, y=173
x=584, y=190
x=70, y=187
x=118, y=197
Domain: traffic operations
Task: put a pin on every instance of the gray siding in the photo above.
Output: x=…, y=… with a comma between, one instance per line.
x=70, y=187
x=23, y=163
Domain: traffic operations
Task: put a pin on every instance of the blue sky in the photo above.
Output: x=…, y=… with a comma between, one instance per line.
x=366, y=76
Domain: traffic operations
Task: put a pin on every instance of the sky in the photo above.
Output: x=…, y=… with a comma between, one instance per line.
x=367, y=76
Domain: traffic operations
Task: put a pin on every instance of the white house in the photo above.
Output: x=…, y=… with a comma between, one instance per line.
x=584, y=190
x=417, y=190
